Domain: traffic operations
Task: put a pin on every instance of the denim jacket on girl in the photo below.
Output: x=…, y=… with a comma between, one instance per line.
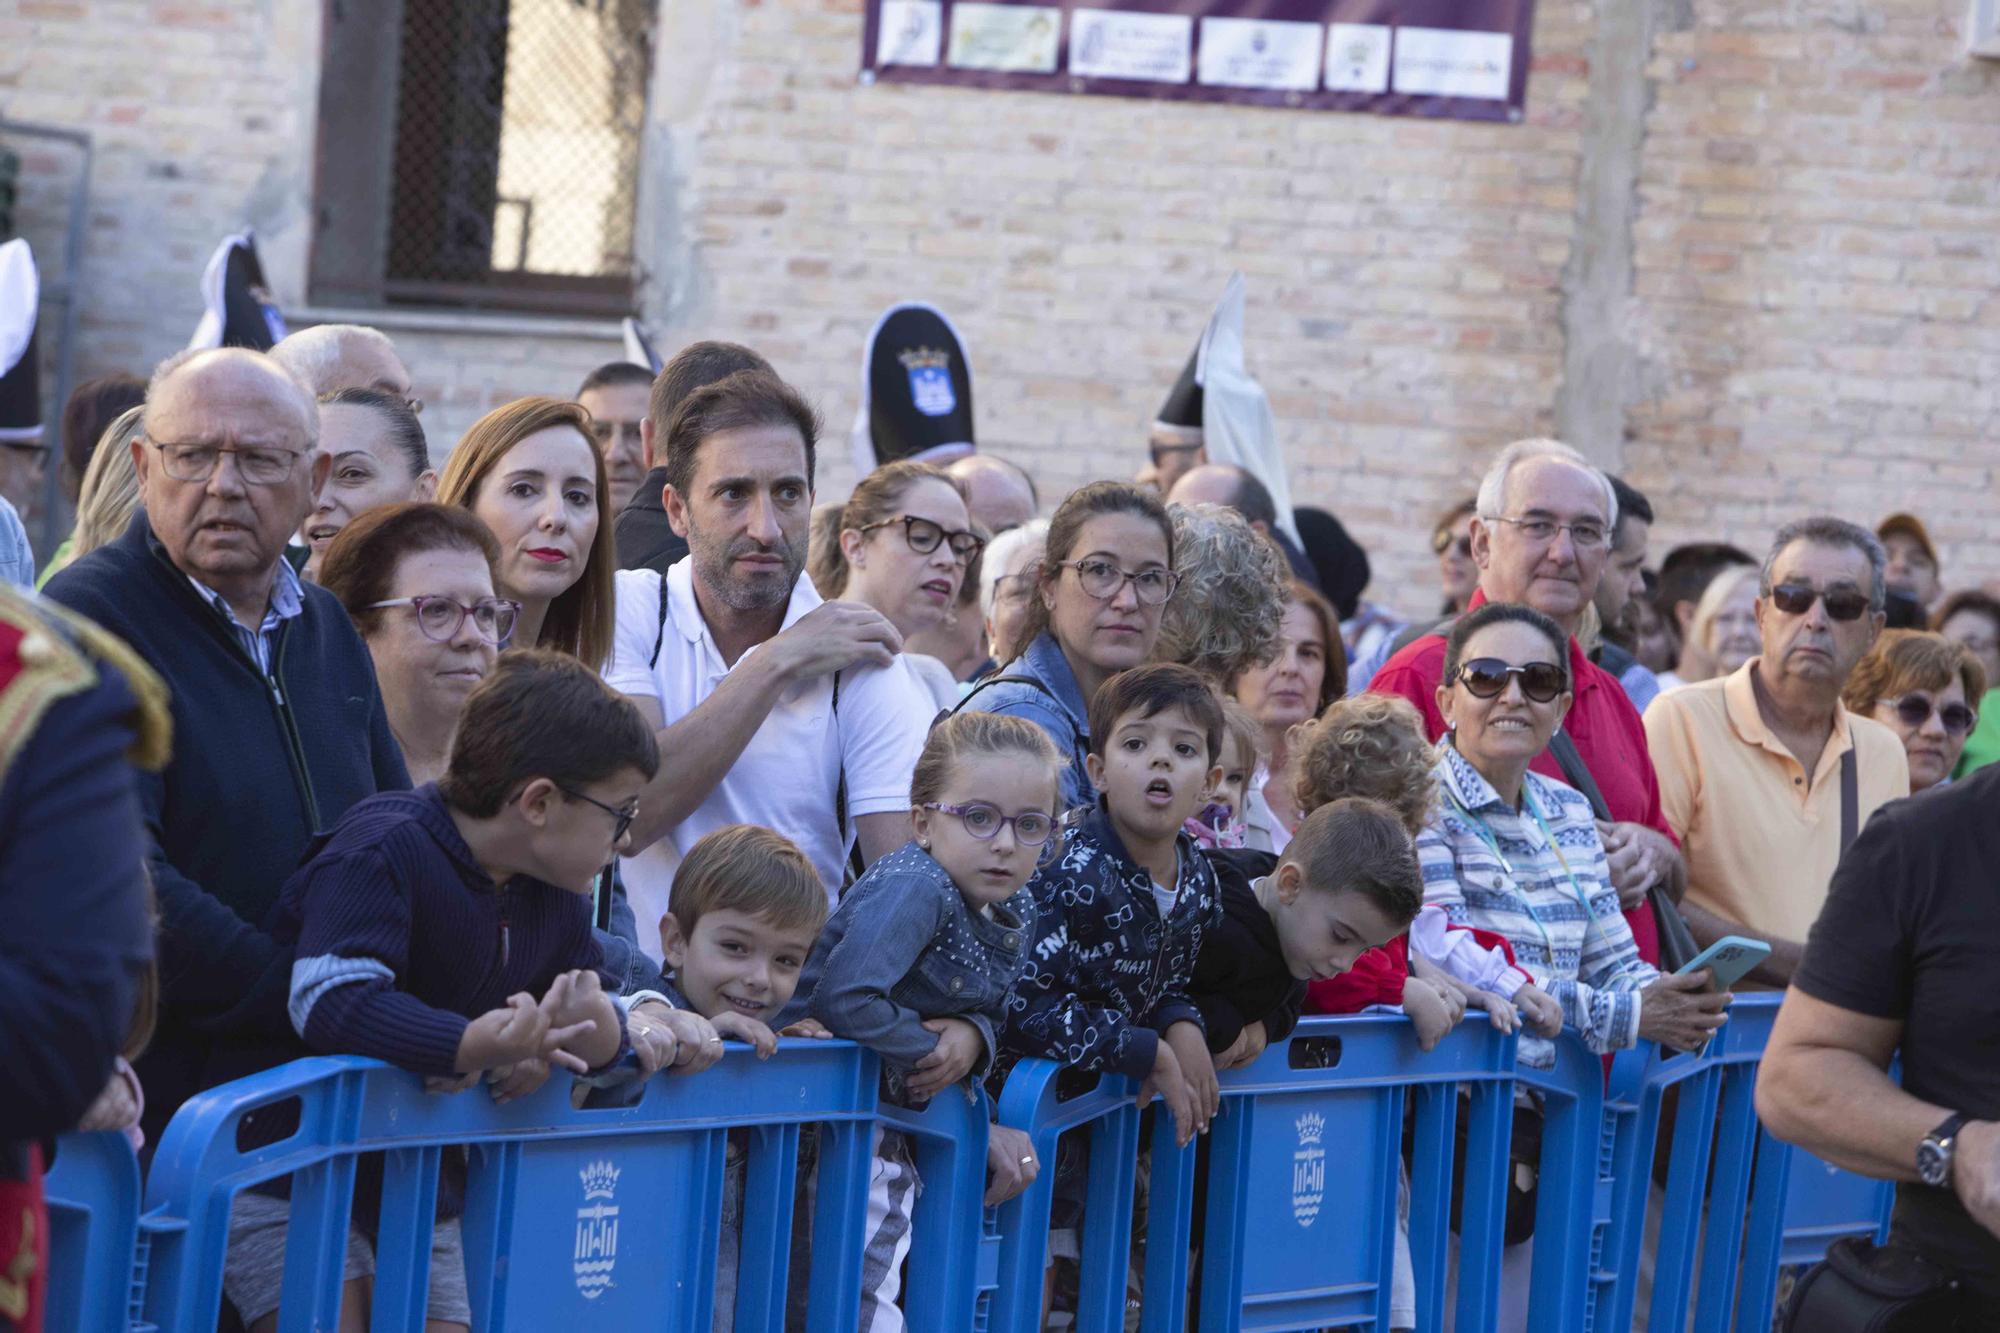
x=904, y=946
x=1106, y=976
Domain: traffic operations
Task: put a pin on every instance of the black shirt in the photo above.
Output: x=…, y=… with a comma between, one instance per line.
x=1240, y=976
x=645, y=539
x=1911, y=932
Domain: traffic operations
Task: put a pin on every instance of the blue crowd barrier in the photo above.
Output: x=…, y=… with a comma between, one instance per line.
x=1284, y=1218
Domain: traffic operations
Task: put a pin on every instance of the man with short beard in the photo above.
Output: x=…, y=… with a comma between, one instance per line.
x=773, y=707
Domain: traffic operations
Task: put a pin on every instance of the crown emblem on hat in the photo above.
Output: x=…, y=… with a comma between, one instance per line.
x=925, y=358
x=600, y=1180
x=1310, y=1126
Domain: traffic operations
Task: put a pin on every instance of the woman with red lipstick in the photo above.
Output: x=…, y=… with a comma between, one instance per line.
x=1309, y=672
x=531, y=473
x=903, y=544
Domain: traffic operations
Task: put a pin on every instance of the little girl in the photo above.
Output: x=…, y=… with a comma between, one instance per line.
x=917, y=961
x=1219, y=824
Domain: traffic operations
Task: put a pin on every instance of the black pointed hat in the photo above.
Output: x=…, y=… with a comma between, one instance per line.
x=1183, y=405
x=916, y=390
x=20, y=367
x=639, y=349
x=238, y=309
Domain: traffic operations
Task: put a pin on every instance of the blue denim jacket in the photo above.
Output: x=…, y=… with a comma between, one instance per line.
x=1057, y=707
x=905, y=946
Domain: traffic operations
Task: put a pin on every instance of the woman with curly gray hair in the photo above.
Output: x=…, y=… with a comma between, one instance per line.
x=1225, y=617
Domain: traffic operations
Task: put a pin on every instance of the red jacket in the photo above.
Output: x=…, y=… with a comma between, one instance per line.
x=1377, y=976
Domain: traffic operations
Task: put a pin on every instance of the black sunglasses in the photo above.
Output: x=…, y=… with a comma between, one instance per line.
x=1795, y=599
x=1486, y=678
x=1915, y=710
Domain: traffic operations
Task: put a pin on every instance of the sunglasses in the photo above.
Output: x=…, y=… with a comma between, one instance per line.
x=1486, y=678
x=1444, y=539
x=1915, y=710
x=1795, y=599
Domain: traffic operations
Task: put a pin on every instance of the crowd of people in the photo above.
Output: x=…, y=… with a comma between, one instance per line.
x=602, y=744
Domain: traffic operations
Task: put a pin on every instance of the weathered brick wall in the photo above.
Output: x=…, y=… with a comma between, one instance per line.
x=1812, y=307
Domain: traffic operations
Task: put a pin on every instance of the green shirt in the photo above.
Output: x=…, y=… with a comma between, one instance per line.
x=1982, y=747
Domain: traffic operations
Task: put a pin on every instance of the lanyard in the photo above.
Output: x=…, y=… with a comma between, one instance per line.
x=1487, y=836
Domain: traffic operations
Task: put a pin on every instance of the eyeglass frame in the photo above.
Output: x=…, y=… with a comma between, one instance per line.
x=1125, y=576
x=293, y=456
x=1933, y=708
x=1557, y=527
x=1005, y=821
x=464, y=612
x=946, y=536
x=622, y=817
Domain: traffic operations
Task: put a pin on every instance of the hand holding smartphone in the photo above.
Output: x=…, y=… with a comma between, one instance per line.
x=1729, y=960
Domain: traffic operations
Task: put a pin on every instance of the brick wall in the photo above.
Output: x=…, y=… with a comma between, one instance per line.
x=1813, y=284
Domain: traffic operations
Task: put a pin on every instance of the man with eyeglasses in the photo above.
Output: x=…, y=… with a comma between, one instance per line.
x=1541, y=537
x=278, y=724
x=1764, y=775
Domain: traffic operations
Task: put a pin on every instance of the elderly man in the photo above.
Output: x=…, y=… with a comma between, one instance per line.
x=1624, y=581
x=1763, y=775
x=999, y=494
x=1237, y=488
x=1541, y=538
x=617, y=395
x=278, y=726
x=346, y=356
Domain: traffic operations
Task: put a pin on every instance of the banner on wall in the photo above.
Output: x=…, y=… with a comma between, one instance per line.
x=1462, y=59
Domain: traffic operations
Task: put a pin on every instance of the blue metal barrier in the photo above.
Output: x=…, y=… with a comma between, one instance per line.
x=97, y=1267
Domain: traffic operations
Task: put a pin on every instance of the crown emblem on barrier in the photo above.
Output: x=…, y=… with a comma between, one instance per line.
x=1311, y=1126
x=600, y=1180
x=925, y=358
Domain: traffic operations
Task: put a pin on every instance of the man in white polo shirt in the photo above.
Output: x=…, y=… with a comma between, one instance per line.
x=737, y=660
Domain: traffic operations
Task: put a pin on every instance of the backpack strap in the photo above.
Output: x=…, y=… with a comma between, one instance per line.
x=660, y=630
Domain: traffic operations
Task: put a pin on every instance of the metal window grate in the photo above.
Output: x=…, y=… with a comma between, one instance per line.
x=518, y=126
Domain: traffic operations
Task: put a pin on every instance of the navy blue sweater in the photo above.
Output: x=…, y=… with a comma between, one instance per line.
x=260, y=765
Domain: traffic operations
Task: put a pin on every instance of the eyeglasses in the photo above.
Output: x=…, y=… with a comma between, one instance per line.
x=1587, y=535
x=1161, y=451
x=1795, y=599
x=924, y=536
x=621, y=815
x=1102, y=579
x=984, y=822
x=1444, y=539
x=1486, y=678
x=1016, y=587
x=1915, y=710
x=197, y=462
x=416, y=406
x=440, y=617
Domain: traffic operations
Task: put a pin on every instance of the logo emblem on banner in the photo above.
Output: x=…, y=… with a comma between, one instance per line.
x=596, y=1230
x=1308, y=1168
x=930, y=380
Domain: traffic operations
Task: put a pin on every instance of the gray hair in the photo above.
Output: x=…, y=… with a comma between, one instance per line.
x=1492, y=501
x=1229, y=610
x=313, y=356
x=1825, y=530
x=1000, y=552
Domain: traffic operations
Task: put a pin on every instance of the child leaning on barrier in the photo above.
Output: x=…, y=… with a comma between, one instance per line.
x=447, y=930
x=918, y=960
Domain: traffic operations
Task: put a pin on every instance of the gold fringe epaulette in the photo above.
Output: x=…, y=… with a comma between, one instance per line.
x=57, y=654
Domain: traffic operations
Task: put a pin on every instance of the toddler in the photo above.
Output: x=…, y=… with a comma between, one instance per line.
x=1219, y=823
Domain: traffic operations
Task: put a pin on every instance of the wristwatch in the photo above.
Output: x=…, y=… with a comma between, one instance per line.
x=1935, y=1152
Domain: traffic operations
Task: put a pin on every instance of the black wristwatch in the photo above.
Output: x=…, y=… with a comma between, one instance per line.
x=1935, y=1152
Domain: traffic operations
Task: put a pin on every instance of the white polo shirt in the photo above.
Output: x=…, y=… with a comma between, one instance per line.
x=787, y=775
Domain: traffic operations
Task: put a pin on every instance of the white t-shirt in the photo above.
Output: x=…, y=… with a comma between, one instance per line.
x=786, y=777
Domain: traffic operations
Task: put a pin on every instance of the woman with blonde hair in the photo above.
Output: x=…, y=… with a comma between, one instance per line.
x=109, y=494
x=532, y=474
x=1723, y=631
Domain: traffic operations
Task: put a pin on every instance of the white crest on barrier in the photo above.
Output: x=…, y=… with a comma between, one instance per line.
x=1308, y=1168
x=596, y=1230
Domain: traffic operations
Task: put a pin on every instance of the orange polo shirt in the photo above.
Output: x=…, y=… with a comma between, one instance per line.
x=1761, y=842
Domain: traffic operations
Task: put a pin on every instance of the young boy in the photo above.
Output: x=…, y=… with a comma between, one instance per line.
x=1348, y=882
x=447, y=930
x=1121, y=913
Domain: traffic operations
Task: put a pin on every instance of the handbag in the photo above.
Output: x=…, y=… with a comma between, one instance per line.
x=1861, y=1287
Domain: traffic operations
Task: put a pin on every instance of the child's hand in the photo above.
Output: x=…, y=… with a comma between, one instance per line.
x=807, y=1027
x=1191, y=1049
x=743, y=1028
x=440, y=1086
x=579, y=1005
x=1167, y=1083
x=520, y=1030
x=651, y=1030
x=1434, y=1010
x=1249, y=1044
x=1543, y=1013
x=1499, y=1012
x=957, y=1051
x=116, y=1106
x=509, y=1082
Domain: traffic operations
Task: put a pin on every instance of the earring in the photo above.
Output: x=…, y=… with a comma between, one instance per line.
x=924, y=843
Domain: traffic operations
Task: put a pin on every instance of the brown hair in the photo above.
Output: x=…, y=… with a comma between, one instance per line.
x=361, y=561
x=1333, y=681
x=1969, y=599
x=736, y=402
x=93, y=405
x=1355, y=845
x=964, y=736
x=1910, y=659
x=1371, y=745
x=875, y=499
x=542, y=714
x=580, y=621
x=750, y=869
x=1239, y=724
x=1152, y=689
x=1084, y=504
x=695, y=366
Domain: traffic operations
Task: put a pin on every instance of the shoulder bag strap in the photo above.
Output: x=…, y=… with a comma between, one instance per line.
x=1850, y=798
x=660, y=631
x=1577, y=774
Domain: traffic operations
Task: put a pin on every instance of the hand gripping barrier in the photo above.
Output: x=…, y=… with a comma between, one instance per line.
x=97, y=1268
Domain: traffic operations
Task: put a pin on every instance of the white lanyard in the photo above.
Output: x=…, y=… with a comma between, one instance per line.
x=1487, y=836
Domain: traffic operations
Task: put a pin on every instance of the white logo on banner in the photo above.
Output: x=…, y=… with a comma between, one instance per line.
x=596, y=1230
x=1308, y=1168
x=1357, y=58
x=911, y=32
x=1259, y=53
x=1445, y=62
x=1014, y=38
x=1110, y=44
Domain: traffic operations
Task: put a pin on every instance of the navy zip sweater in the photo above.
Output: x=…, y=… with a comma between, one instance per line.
x=260, y=765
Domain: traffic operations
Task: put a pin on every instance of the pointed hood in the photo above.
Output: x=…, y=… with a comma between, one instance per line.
x=916, y=390
x=20, y=367
x=639, y=349
x=1235, y=415
x=238, y=309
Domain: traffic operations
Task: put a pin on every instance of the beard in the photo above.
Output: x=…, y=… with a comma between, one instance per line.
x=738, y=589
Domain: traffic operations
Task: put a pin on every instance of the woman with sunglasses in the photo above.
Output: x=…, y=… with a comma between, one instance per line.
x=1451, y=543
x=1926, y=689
x=1106, y=573
x=904, y=545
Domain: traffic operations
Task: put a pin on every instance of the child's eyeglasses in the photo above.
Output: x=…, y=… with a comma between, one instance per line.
x=1486, y=678
x=984, y=822
x=621, y=815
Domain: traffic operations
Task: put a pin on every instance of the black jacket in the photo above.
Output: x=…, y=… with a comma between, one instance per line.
x=645, y=539
x=1240, y=976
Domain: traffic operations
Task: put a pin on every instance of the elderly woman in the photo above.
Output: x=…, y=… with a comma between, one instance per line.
x=1007, y=578
x=1308, y=673
x=1723, y=631
x=1925, y=688
x=1972, y=618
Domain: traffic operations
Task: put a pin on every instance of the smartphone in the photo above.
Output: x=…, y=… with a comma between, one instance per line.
x=1729, y=958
